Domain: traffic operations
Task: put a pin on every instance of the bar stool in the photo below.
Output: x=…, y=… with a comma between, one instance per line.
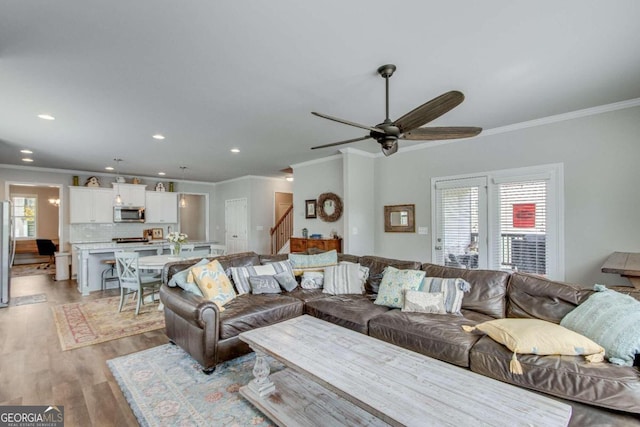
x=109, y=273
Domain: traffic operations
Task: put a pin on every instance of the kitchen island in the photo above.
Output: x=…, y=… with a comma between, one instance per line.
x=89, y=259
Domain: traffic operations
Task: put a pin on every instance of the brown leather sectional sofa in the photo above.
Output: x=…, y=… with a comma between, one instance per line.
x=600, y=394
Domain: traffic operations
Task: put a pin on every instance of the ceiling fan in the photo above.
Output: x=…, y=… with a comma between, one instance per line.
x=408, y=127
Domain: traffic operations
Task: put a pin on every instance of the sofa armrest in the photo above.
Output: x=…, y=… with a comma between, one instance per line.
x=190, y=307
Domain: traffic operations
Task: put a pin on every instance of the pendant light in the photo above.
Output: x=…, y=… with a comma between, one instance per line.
x=183, y=201
x=118, y=200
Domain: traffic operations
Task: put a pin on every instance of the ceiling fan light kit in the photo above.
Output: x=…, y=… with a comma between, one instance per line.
x=408, y=127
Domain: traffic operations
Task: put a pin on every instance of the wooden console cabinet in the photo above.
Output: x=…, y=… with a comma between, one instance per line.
x=299, y=244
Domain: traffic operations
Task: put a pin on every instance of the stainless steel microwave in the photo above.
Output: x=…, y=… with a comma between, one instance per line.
x=128, y=214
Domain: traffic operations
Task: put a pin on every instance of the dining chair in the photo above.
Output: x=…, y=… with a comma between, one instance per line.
x=131, y=281
x=217, y=250
x=187, y=248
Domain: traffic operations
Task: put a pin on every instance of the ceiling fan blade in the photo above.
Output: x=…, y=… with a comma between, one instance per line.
x=390, y=151
x=341, y=142
x=438, y=133
x=346, y=122
x=429, y=111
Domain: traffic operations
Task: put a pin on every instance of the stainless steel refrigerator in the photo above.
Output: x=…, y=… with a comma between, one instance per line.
x=7, y=249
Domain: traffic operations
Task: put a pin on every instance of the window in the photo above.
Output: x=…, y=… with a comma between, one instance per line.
x=505, y=220
x=24, y=216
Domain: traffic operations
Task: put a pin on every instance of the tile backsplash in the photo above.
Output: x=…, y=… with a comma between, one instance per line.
x=86, y=233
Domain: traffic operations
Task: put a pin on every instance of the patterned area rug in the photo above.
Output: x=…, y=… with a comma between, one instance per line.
x=91, y=322
x=27, y=299
x=166, y=387
x=31, y=270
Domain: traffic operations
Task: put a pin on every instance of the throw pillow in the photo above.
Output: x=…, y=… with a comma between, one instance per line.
x=286, y=280
x=535, y=336
x=312, y=280
x=424, y=302
x=181, y=278
x=452, y=291
x=316, y=262
x=264, y=285
x=213, y=283
x=241, y=275
x=394, y=284
x=343, y=279
x=611, y=319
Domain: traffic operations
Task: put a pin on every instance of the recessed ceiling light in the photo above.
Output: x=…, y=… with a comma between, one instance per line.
x=26, y=151
x=235, y=150
x=109, y=168
x=28, y=160
x=46, y=117
x=162, y=173
x=289, y=178
x=158, y=136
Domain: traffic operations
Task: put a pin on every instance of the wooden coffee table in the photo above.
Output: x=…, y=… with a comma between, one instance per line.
x=340, y=377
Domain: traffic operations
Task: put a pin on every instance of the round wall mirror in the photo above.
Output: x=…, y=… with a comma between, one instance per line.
x=329, y=207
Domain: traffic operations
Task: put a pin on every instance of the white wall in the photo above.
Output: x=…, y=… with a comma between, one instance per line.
x=600, y=155
x=312, y=179
x=359, y=202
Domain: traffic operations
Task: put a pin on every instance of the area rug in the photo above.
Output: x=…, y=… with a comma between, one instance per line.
x=31, y=270
x=91, y=322
x=27, y=299
x=165, y=387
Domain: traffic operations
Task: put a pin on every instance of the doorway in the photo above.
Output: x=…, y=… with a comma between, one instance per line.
x=236, y=228
x=194, y=217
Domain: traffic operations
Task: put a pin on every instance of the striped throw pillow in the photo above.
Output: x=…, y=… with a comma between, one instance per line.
x=316, y=262
x=345, y=279
x=452, y=291
x=241, y=275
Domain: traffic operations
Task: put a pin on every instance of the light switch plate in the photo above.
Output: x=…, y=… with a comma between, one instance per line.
x=423, y=230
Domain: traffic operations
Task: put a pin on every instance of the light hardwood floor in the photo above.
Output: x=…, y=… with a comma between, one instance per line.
x=35, y=371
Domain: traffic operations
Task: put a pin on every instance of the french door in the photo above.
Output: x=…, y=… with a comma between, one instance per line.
x=508, y=220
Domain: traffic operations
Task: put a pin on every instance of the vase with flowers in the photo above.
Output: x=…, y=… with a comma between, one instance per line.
x=177, y=239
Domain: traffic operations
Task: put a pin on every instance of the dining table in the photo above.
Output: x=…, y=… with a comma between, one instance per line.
x=157, y=262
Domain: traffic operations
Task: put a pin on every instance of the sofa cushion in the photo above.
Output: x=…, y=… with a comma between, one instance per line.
x=424, y=302
x=349, y=311
x=535, y=336
x=213, y=283
x=612, y=320
x=488, y=288
x=376, y=266
x=264, y=285
x=345, y=278
x=305, y=295
x=570, y=377
x=316, y=262
x=248, y=312
x=452, y=291
x=435, y=335
x=241, y=275
x=180, y=279
x=535, y=297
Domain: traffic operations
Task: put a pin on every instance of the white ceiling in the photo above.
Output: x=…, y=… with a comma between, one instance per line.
x=213, y=75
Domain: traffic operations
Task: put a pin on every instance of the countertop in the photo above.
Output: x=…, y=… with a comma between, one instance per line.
x=97, y=247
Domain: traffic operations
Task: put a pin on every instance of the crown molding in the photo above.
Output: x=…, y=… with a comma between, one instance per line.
x=316, y=161
x=601, y=109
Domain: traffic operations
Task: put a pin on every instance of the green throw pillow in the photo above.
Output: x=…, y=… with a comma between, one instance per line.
x=394, y=283
x=611, y=319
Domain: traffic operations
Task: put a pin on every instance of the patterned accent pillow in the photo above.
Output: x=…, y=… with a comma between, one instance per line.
x=213, y=283
x=394, y=284
x=424, y=302
x=316, y=262
x=312, y=280
x=535, y=336
x=241, y=275
x=286, y=280
x=184, y=278
x=611, y=319
x=264, y=285
x=452, y=291
x=345, y=279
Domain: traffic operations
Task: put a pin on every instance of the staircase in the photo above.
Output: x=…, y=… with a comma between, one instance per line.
x=282, y=231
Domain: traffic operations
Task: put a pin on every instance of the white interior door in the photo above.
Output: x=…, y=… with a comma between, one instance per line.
x=236, y=225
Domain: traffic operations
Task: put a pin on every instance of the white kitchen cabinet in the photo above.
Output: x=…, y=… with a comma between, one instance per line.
x=90, y=205
x=161, y=207
x=131, y=194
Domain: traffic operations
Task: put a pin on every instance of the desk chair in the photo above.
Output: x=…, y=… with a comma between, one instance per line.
x=46, y=247
x=131, y=281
